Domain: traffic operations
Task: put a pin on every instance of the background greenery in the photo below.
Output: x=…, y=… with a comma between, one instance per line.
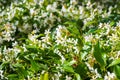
x=59, y=40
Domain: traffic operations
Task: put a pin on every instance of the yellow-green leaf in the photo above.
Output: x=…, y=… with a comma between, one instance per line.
x=46, y=76
x=115, y=62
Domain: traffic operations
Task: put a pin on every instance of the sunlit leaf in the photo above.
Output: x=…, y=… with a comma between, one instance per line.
x=67, y=67
x=78, y=76
x=46, y=76
x=115, y=62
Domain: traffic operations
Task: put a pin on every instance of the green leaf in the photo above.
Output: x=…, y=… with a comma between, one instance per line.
x=46, y=76
x=117, y=71
x=17, y=65
x=80, y=42
x=43, y=66
x=45, y=3
x=4, y=64
x=67, y=67
x=80, y=24
x=93, y=30
x=72, y=22
x=81, y=69
x=78, y=76
x=90, y=23
x=22, y=73
x=72, y=27
x=12, y=75
x=99, y=55
x=32, y=48
x=34, y=65
x=31, y=1
x=112, y=23
x=41, y=77
x=115, y=62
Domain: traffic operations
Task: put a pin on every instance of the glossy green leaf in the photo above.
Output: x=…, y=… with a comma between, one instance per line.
x=117, y=71
x=115, y=62
x=99, y=55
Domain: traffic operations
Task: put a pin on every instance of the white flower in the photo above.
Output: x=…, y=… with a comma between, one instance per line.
x=1, y=74
x=24, y=48
x=46, y=38
x=60, y=39
x=76, y=50
x=16, y=51
x=51, y=8
x=60, y=54
x=68, y=78
x=73, y=2
x=118, y=54
x=33, y=38
x=118, y=24
x=88, y=38
x=89, y=5
x=97, y=74
x=81, y=10
x=89, y=66
x=109, y=76
x=44, y=14
x=7, y=36
x=44, y=45
x=85, y=47
x=64, y=9
x=32, y=11
x=14, y=44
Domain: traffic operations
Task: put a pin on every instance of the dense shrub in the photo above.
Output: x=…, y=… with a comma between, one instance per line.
x=59, y=40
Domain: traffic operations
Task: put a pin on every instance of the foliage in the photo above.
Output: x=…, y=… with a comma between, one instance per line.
x=59, y=40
